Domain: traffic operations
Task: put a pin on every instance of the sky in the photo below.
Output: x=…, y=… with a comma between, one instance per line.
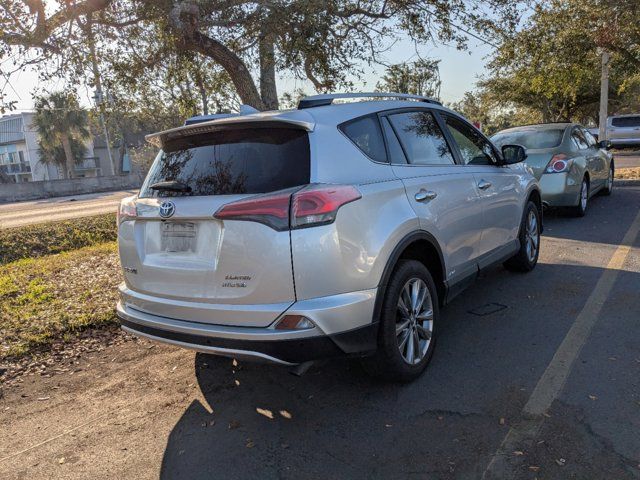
x=459, y=71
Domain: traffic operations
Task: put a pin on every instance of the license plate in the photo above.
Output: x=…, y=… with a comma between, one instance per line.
x=178, y=236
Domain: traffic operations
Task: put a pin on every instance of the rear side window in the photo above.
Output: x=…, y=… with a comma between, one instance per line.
x=625, y=122
x=579, y=140
x=366, y=134
x=422, y=140
x=247, y=160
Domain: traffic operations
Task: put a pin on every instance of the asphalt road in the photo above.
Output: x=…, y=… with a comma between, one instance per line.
x=59, y=208
x=563, y=343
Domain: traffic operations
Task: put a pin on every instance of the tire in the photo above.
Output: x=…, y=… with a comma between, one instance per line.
x=608, y=187
x=527, y=257
x=580, y=210
x=391, y=361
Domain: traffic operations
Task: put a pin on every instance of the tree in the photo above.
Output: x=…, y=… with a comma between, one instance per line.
x=62, y=129
x=320, y=40
x=418, y=78
x=552, y=64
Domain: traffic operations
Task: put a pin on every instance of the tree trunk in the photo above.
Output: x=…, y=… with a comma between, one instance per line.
x=203, y=93
x=234, y=66
x=68, y=154
x=268, y=89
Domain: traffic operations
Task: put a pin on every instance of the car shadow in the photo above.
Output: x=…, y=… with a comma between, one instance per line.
x=262, y=421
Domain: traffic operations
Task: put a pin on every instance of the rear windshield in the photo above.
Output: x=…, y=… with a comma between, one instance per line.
x=531, y=139
x=625, y=121
x=256, y=160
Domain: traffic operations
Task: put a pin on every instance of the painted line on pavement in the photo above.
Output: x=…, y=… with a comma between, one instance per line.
x=555, y=376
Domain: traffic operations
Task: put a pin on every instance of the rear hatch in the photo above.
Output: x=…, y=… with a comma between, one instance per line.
x=172, y=246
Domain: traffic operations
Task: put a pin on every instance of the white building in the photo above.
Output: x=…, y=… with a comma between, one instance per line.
x=20, y=154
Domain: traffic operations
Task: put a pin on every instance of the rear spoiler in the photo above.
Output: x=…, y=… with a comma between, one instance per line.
x=262, y=120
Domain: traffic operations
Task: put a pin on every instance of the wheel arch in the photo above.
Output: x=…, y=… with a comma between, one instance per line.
x=421, y=246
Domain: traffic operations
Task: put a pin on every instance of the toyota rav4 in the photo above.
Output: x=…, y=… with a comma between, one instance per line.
x=337, y=228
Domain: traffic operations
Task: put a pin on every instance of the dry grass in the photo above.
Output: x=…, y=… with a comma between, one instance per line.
x=632, y=173
x=56, y=237
x=51, y=298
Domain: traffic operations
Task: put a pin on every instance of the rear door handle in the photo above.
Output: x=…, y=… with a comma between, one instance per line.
x=483, y=185
x=424, y=195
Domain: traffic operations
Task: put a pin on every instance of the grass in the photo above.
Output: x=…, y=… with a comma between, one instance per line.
x=50, y=298
x=56, y=237
x=631, y=173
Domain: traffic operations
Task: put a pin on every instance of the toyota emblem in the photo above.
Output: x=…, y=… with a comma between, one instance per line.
x=167, y=209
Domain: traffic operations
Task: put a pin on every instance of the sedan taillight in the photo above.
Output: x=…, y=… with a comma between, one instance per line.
x=307, y=207
x=559, y=163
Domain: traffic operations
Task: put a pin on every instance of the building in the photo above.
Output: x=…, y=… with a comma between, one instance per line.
x=20, y=159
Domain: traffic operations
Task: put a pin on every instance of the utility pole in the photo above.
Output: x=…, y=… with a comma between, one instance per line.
x=604, y=96
x=98, y=95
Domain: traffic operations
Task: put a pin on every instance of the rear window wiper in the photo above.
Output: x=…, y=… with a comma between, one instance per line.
x=171, y=186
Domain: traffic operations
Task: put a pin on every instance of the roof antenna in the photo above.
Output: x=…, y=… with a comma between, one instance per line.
x=248, y=110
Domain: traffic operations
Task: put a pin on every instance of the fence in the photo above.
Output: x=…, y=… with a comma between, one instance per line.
x=14, y=192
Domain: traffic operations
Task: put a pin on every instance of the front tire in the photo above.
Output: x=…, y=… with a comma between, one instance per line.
x=527, y=257
x=608, y=188
x=406, y=335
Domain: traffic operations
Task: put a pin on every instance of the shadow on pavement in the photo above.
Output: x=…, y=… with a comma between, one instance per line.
x=336, y=422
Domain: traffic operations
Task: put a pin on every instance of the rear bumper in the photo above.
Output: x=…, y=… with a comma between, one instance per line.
x=560, y=189
x=343, y=327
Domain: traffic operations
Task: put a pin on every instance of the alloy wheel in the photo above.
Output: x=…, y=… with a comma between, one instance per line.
x=584, y=195
x=414, y=320
x=532, y=237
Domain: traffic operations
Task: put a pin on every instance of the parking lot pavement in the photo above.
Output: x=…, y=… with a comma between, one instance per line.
x=627, y=159
x=565, y=335
x=60, y=208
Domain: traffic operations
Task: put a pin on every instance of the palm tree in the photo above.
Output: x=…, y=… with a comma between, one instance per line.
x=61, y=123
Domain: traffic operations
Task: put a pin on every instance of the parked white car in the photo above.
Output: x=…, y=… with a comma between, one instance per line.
x=331, y=229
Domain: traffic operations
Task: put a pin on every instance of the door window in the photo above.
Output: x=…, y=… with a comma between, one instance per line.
x=474, y=148
x=579, y=140
x=591, y=141
x=421, y=138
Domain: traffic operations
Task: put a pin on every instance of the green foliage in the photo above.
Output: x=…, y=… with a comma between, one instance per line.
x=62, y=129
x=48, y=299
x=56, y=237
x=418, y=78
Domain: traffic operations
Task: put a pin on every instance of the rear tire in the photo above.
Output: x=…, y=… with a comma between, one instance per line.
x=580, y=210
x=406, y=334
x=608, y=188
x=527, y=257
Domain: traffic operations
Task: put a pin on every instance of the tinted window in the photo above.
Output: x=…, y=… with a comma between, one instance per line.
x=366, y=134
x=234, y=161
x=395, y=150
x=625, y=121
x=530, y=139
x=474, y=148
x=578, y=140
x=591, y=140
x=421, y=138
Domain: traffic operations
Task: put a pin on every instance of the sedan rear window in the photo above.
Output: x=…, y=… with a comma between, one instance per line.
x=530, y=139
x=625, y=121
x=247, y=160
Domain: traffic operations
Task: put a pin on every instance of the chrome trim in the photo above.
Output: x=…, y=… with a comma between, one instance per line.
x=223, y=352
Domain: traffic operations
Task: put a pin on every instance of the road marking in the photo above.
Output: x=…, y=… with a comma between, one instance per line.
x=555, y=376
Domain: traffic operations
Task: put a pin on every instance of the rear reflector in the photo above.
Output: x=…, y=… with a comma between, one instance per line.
x=294, y=322
x=293, y=208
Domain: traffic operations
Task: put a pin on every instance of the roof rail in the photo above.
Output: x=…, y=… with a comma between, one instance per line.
x=327, y=99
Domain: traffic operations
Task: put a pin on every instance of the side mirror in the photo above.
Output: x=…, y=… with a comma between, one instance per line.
x=604, y=144
x=513, y=154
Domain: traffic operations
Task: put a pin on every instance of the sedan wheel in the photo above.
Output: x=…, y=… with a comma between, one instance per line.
x=583, y=200
x=414, y=323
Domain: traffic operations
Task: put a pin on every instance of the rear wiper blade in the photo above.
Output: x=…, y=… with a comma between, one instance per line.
x=171, y=186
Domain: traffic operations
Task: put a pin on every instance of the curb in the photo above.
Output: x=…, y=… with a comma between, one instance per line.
x=626, y=183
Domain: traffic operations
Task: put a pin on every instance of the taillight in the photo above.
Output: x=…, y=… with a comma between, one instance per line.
x=127, y=210
x=271, y=210
x=294, y=208
x=319, y=204
x=558, y=164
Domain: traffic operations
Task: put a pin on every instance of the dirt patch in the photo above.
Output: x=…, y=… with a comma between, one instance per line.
x=628, y=173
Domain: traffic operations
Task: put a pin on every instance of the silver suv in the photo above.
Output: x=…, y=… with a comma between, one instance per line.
x=332, y=229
